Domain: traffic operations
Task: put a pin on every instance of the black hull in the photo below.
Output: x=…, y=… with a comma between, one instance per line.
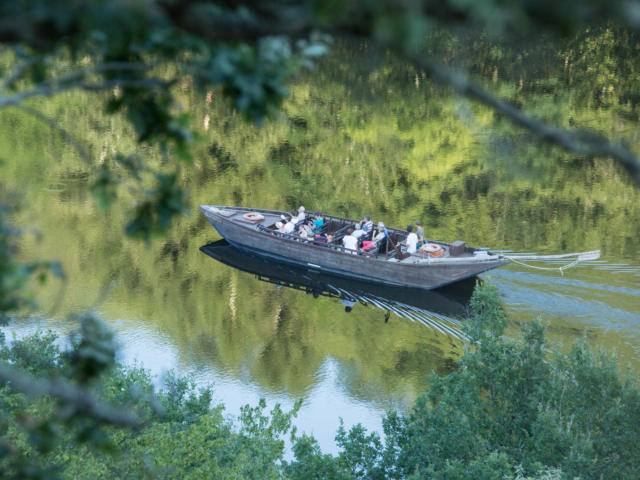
x=451, y=301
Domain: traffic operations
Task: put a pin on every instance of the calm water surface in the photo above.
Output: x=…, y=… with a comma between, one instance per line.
x=369, y=139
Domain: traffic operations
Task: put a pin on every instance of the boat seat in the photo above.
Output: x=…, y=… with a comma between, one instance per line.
x=339, y=234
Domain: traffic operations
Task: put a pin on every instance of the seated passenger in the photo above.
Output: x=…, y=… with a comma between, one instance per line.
x=301, y=215
x=381, y=233
x=412, y=240
x=289, y=227
x=320, y=238
x=357, y=231
x=280, y=227
x=367, y=227
x=318, y=223
x=305, y=231
x=350, y=242
x=381, y=238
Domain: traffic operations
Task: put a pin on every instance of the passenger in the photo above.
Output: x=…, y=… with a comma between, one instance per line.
x=382, y=233
x=318, y=223
x=350, y=242
x=412, y=241
x=367, y=228
x=419, y=233
x=381, y=238
x=357, y=231
x=289, y=227
x=305, y=231
x=301, y=215
x=320, y=238
x=280, y=227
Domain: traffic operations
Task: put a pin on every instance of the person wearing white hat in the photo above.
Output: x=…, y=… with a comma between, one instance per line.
x=380, y=238
x=301, y=215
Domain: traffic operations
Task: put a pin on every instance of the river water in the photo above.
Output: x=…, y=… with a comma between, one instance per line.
x=356, y=137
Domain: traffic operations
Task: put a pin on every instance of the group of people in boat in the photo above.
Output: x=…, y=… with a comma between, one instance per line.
x=307, y=227
x=362, y=236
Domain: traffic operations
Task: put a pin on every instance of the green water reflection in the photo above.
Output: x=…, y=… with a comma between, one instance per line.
x=364, y=134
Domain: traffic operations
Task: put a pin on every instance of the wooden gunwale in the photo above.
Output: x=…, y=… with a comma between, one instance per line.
x=325, y=216
x=336, y=248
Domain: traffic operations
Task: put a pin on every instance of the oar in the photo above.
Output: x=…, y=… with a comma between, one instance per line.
x=581, y=256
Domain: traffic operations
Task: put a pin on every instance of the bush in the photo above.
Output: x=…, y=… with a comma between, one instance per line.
x=510, y=411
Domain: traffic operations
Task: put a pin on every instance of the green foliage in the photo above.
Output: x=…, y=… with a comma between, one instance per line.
x=507, y=405
x=182, y=437
x=94, y=349
x=154, y=214
x=487, y=313
x=15, y=275
x=509, y=411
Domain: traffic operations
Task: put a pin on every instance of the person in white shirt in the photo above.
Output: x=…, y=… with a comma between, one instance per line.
x=412, y=240
x=301, y=215
x=350, y=242
x=289, y=227
x=357, y=231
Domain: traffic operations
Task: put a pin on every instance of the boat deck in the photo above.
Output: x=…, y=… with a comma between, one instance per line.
x=337, y=226
x=238, y=216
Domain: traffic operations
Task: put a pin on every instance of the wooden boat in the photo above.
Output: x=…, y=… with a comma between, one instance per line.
x=255, y=230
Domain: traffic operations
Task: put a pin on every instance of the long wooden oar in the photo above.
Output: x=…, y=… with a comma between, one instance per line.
x=581, y=256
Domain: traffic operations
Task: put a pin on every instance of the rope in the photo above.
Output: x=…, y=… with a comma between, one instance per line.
x=560, y=269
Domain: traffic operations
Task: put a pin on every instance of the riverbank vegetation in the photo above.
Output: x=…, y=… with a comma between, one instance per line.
x=374, y=130
x=512, y=409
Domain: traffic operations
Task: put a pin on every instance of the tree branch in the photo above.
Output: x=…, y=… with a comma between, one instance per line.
x=64, y=391
x=48, y=91
x=61, y=131
x=215, y=24
x=577, y=141
x=19, y=71
x=100, y=68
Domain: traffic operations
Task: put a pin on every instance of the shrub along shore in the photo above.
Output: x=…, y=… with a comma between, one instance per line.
x=511, y=409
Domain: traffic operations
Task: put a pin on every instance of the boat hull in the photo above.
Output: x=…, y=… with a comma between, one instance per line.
x=450, y=301
x=435, y=274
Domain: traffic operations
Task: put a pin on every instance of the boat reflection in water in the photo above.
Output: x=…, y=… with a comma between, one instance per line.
x=440, y=309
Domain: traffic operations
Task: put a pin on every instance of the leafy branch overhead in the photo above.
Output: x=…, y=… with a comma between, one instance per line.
x=136, y=52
